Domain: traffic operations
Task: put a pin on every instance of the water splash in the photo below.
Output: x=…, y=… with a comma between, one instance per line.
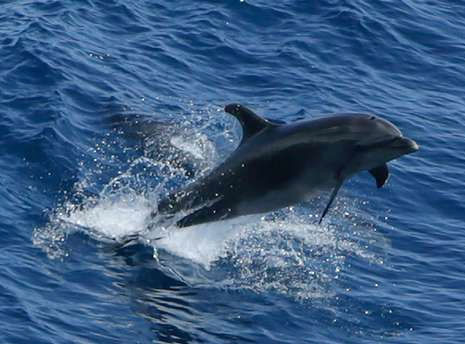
x=284, y=252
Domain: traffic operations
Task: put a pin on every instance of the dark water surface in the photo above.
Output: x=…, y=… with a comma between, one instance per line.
x=387, y=266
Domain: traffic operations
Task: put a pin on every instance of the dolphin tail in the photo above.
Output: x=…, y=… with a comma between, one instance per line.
x=125, y=242
x=331, y=199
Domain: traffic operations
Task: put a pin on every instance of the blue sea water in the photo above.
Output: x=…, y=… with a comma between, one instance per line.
x=386, y=266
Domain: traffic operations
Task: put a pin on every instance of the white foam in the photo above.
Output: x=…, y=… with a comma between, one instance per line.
x=199, y=146
x=203, y=244
x=113, y=218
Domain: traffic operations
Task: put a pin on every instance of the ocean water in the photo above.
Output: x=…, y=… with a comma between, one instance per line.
x=82, y=81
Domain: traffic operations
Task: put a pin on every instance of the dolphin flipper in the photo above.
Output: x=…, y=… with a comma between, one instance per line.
x=381, y=174
x=331, y=199
x=251, y=123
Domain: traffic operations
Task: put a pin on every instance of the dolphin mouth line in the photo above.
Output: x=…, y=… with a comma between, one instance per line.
x=398, y=142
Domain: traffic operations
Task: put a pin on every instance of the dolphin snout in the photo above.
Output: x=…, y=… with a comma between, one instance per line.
x=409, y=145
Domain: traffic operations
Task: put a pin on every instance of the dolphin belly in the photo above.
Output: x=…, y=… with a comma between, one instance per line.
x=261, y=198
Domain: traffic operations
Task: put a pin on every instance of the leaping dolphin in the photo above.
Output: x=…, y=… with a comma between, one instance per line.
x=277, y=165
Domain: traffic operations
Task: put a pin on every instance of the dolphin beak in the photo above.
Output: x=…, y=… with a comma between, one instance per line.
x=406, y=144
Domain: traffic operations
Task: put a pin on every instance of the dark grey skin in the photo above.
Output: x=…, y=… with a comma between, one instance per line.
x=278, y=165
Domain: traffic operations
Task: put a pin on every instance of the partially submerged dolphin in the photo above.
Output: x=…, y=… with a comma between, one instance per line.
x=277, y=165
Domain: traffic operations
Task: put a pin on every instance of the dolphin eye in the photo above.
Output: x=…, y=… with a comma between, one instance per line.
x=372, y=118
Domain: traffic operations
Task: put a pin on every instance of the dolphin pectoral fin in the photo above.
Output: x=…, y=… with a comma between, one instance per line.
x=251, y=123
x=381, y=174
x=331, y=199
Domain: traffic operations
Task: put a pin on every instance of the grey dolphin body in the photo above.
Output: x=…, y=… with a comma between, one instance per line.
x=277, y=165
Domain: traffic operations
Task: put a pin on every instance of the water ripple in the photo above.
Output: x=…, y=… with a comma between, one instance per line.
x=387, y=267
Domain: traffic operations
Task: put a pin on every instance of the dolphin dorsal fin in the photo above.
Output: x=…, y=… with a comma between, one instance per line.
x=251, y=123
x=381, y=174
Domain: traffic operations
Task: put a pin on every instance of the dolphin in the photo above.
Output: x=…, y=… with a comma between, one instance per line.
x=278, y=165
